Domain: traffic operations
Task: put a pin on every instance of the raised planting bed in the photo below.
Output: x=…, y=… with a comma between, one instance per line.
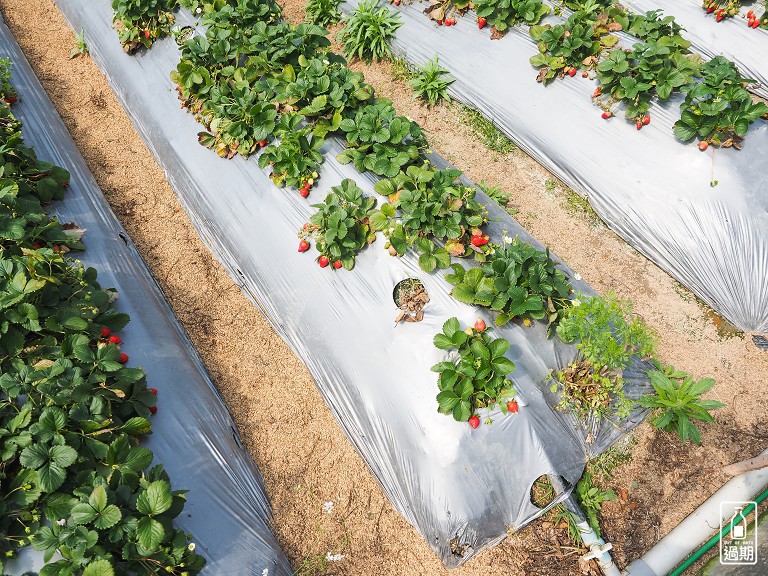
x=698, y=212
x=193, y=435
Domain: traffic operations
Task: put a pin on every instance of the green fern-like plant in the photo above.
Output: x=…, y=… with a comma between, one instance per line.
x=367, y=31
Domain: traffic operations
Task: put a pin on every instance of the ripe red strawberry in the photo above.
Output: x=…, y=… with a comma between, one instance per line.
x=115, y=339
x=146, y=34
x=751, y=15
x=585, y=74
x=703, y=145
x=646, y=120
x=56, y=248
x=397, y=2
x=512, y=406
x=10, y=99
x=474, y=422
x=755, y=23
x=337, y=264
x=638, y=124
x=439, y=22
x=479, y=241
x=323, y=261
x=37, y=245
x=719, y=17
x=303, y=246
x=606, y=115
x=153, y=390
x=153, y=409
x=572, y=72
x=711, y=9
x=481, y=22
x=304, y=192
x=480, y=325
x=123, y=358
x=105, y=332
x=263, y=143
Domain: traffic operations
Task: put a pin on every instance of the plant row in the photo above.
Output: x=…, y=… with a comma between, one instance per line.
x=261, y=85
x=717, y=109
x=73, y=478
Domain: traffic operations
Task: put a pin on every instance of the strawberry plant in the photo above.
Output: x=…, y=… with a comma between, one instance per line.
x=323, y=12
x=517, y=281
x=718, y=110
x=237, y=16
x=432, y=204
x=73, y=480
x=341, y=227
x=444, y=11
x=476, y=377
x=503, y=14
x=297, y=156
x=651, y=69
x=7, y=91
x=429, y=83
x=240, y=122
x=322, y=90
x=367, y=31
x=653, y=26
x=381, y=141
x=141, y=22
x=677, y=402
x=30, y=176
x=575, y=43
x=203, y=62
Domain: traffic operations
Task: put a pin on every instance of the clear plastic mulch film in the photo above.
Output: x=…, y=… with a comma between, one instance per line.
x=731, y=38
x=461, y=489
x=194, y=437
x=702, y=217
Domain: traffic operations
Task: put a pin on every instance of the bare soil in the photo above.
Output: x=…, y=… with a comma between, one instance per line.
x=306, y=461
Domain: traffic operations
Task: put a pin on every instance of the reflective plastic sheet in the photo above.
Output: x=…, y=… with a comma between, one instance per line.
x=194, y=436
x=651, y=189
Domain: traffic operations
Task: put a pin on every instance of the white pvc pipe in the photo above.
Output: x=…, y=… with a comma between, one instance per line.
x=698, y=527
x=598, y=549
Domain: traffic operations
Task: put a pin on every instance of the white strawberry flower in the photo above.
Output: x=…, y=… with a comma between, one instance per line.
x=577, y=276
x=507, y=240
x=328, y=507
x=576, y=302
x=191, y=547
x=61, y=522
x=334, y=557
